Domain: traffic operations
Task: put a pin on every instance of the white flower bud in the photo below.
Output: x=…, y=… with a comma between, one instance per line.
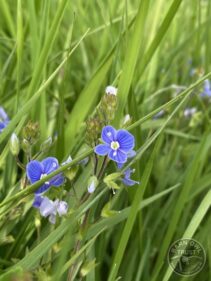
x=14, y=144
x=111, y=90
x=62, y=207
x=92, y=184
x=126, y=119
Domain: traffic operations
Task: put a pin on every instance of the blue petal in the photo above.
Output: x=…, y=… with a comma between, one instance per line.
x=120, y=165
x=3, y=115
x=128, y=172
x=108, y=134
x=118, y=156
x=2, y=126
x=62, y=207
x=129, y=182
x=125, y=140
x=47, y=207
x=131, y=154
x=42, y=189
x=50, y=164
x=34, y=169
x=207, y=85
x=57, y=180
x=37, y=201
x=102, y=149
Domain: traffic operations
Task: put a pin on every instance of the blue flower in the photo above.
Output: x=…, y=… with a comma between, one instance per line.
x=207, y=89
x=4, y=119
x=130, y=154
x=49, y=208
x=127, y=180
x=36, y=170
x=116, y=145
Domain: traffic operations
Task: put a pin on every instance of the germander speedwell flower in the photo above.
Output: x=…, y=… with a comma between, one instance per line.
x=117, y=144
x=36, y=170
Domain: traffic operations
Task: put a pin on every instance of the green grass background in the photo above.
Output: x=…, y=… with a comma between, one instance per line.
x=56, y=58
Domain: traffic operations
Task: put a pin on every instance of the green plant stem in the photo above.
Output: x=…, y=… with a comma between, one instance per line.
x=78, y=245
x=102, y=169
x=19, y=163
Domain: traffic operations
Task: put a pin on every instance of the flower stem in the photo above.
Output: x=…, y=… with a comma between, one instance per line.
x=19, y=163
x=78, y=246
x=104, y=164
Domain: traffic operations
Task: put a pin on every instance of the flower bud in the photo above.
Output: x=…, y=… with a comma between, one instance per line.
x=93, y=129
x=111, y=90
x=108, y=107
x=26, y=145
x=126, y=120
x=31, y=132
x=92, y=184
x=14, y=144
x=62, y=207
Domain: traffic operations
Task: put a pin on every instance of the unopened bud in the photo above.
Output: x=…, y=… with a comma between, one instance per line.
x=93, y=129
x=108, y=106
x=31, y=132
x=26, y=145
x=37, y=222
x=126, y=120
x=14, y=144
x=92, y=184
x=111, y=90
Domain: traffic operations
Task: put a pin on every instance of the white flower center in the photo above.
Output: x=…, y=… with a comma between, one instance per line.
x=114, y=145
x=42, y=176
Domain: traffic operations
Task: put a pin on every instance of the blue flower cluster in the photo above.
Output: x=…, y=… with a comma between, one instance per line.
x=117, y=145
x=36, y=171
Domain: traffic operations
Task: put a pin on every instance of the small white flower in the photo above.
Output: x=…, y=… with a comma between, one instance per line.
x=111, y=90
x=62, y=207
